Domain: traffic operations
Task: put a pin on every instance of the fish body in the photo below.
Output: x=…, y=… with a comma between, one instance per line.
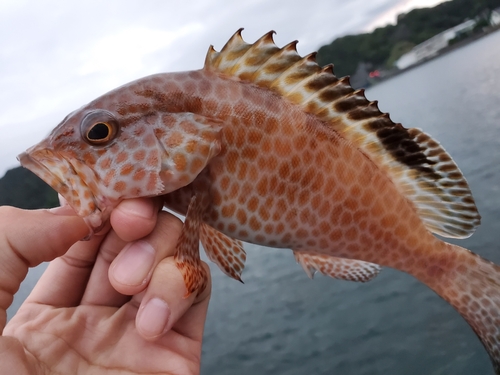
x=264, y=146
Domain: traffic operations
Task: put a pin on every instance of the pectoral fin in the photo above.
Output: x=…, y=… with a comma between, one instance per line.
x=187, y=256
x=224, y=251
x=189, y=142
x=338, y=268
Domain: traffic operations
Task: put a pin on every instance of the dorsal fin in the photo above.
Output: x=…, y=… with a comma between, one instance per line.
x=417, y=164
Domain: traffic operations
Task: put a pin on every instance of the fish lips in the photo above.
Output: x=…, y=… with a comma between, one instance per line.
x=73, y=180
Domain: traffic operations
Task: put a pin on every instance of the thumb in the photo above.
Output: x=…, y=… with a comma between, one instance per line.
x=28, y=238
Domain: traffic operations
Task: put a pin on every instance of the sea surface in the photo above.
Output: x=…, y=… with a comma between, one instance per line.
x=280, y=322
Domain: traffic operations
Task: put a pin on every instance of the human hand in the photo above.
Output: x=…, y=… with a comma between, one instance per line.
x=110, y=305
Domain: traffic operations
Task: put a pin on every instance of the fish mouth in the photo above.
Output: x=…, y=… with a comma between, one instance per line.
x=71, y=181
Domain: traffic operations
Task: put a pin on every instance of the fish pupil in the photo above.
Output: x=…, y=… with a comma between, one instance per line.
x=98, y=132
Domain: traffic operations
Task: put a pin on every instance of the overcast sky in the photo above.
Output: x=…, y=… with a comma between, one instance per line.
x=55, y=56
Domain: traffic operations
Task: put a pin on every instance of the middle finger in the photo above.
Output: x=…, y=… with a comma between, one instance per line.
x=131, y=271
x=131, y=220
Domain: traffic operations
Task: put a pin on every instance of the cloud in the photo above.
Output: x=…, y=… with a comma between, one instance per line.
x=390, y=13
x=56, y=56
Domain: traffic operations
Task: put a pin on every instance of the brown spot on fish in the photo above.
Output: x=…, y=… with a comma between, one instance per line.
x=139, y=155
x=105, y=163
x=180, y=161
x=139, y=175
x=126, y=169
x=120, y=186
x=174, y=140
x=254, y=223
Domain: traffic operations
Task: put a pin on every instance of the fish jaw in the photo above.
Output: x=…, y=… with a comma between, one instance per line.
x=74, y=180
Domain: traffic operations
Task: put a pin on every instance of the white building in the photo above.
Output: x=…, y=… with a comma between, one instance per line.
x=495, y=17
x=406, y=60
x=432, y=46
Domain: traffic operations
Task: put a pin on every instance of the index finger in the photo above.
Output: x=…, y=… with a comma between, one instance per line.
x=28, y=238
x=67, y=278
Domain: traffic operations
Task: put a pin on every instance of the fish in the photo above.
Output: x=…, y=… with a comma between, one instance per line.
x=263, y=145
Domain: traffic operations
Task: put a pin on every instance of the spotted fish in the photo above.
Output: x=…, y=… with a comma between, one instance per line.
x=265, y=146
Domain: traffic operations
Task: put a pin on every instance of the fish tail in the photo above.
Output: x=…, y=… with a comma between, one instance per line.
x=471, y=285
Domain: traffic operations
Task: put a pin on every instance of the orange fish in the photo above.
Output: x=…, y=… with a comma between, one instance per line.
x=264, y=146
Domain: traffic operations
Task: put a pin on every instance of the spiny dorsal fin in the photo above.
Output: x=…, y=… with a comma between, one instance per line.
x=418, y=165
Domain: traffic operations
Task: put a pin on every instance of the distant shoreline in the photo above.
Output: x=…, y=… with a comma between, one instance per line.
x=442, y=52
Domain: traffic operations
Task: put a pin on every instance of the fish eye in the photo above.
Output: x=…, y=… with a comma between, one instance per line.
x=99, y=132
x=99, y=128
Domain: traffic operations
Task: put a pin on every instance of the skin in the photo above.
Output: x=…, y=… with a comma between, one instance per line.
x=103, y=305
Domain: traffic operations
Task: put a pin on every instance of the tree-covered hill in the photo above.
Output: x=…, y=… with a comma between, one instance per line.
x=21, y=188
x=385, y=45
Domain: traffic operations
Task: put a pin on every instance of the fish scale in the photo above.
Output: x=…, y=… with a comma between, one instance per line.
x=264, y=146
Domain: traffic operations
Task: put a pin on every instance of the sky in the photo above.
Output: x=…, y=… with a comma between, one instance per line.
x=56, y=56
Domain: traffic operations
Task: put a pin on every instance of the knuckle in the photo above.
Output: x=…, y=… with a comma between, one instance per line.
x=109, y=250
x=76, y=262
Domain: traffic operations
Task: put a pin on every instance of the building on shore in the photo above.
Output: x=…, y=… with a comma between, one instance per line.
x=495, y=17
x=432, y=46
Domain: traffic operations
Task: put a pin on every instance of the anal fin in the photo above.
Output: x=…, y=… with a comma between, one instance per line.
x=224, y=251
x=338, y=268
x=187, y=256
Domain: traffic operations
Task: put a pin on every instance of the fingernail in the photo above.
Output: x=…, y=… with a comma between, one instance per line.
x=134, y=263
x=132, y=207
x=152, y=318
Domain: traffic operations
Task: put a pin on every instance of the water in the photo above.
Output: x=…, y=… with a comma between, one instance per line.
x=280, y=322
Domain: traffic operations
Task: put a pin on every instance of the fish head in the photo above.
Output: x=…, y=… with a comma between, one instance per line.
x=92, y=161
x=110, y=150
